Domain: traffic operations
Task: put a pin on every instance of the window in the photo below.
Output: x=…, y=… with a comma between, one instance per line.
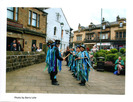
x=16, y=14
x=10, y=12
x=54, y=30
x=116, y=34
x=79, y=38
x=58, y=16
x=38, y=20
x=120, y=34
x=40, y=45
x=34, y=19
x=72, y=39
x=124, y=34
x=121, y=24
x=29, y=18
x=104, y=36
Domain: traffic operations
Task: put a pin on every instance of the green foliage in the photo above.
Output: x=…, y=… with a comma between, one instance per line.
x=99, y=54
x=112, y=57
x=114, y=50
x=123, y=58
x=104, y=51
x=123, y=50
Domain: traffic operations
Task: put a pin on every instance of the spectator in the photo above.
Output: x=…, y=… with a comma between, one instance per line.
x=38, y=49
x=92, y=59
x=67, y=52
x=119, y=65
x=19, y=48
x=34, y=48
x=14, y=47
x=11, y=46
x=94, y=49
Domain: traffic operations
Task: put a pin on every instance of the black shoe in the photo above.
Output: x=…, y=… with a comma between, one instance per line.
x=55, y=83
x=82, y=84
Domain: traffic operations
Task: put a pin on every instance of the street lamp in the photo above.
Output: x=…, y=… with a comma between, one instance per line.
x=61, y=24
x=101, y=29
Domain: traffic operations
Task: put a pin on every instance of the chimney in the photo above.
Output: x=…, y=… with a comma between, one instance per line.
x=117, y=18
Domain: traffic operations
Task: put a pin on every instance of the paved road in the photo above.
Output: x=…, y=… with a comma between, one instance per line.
x=33, y=79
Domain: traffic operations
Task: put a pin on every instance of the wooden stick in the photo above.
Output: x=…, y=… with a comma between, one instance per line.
x=67, y=56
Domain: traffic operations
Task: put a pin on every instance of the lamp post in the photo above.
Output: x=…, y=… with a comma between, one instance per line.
x=101, y=29
x=61, y=24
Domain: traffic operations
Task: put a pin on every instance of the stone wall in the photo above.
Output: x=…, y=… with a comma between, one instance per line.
x=16, y=60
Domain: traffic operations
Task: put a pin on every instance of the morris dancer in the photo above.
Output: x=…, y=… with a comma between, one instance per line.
x=70, y=59
x=48, y=56
x=78, y=62
x=54, y=64
x=85, y=64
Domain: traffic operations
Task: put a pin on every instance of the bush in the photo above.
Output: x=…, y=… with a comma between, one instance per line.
x=114, y=50
x=123, y=58
x=122, y=50
x=99, y=54
x=112, y=57
x=104, y=51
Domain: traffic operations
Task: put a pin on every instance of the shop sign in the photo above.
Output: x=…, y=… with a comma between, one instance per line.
x=14, y=24
x=106, y=44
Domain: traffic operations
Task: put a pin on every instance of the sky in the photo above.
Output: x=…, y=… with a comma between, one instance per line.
x=85, y=16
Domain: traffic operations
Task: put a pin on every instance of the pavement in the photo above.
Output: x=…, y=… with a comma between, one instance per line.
x=33, y=79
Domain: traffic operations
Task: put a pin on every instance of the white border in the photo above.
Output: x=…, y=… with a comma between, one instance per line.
x=67, y=4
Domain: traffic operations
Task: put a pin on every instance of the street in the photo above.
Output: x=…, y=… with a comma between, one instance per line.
x=33, y=79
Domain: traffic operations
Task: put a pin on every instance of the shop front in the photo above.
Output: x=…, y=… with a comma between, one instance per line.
x=104, y=46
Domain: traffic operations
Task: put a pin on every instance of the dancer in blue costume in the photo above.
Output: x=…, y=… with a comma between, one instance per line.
x=70, y=59
x=78, y=63
x=48, y=55
x=55, y=64
x=73, y=60
x=85, y=65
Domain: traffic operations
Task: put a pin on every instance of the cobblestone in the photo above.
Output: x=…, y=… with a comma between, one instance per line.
x=33, y=79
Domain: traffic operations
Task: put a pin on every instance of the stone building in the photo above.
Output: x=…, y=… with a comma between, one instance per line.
x=111, y=34
x=27, y=25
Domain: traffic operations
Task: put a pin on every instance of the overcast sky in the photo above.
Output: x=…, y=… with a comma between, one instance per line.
x=86, y=15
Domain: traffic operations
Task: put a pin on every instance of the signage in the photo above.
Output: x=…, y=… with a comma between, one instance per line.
x=106, y=44
x=14, y=24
